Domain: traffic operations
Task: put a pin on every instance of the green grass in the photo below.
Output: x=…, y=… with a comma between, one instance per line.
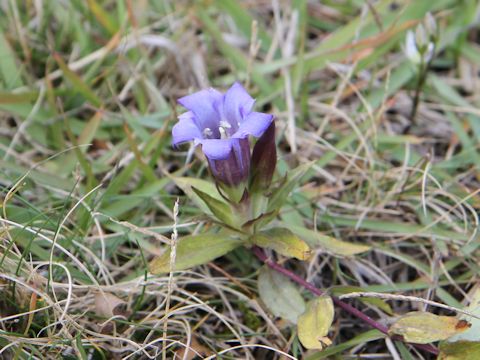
x=88, y=95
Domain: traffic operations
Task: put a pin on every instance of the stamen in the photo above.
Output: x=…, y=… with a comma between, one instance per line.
x=207, y=132
x=225, y=124
x=223, y=133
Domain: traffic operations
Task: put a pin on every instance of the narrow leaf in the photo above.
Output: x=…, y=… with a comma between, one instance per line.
x=280, y=296
x=187, y=183
x=10, y=73
x=423, y=328
x=81, y=350
x=195, y=250
x=76, y=81
x=314, y=324
x=330, y=244
x=282, y=241
x=16, y=98
x=219, y=208
x=363, y=338
x=102, y=16
x=90, y=129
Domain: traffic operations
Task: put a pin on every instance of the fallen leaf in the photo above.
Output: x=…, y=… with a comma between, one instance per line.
x=195, y=350
x=109, y=305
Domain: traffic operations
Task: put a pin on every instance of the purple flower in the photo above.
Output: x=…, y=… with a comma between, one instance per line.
x=221, y=123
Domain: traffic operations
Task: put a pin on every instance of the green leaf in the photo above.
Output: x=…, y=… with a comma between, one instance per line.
x=280, y=194
x=330, y=244
x=186, y=184
x=195, y=250
x=9, y=65
x=371, y=335
x=280, y=296
x=282, y=241
x=103, y=17
x=77, y=81
x=80, y=348
x=422, y=327
x=219, y=208
x=460, y=350
x=314, y=324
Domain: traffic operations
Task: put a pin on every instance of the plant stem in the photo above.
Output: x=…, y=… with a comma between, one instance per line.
x=424, y=67
x=259, y=253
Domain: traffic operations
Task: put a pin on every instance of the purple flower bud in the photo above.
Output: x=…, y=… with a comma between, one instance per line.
x=221, y=123
x=264, y=161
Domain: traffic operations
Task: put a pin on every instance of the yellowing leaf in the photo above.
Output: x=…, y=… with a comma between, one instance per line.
x=460, y=350
x=195, y=250
x=280, y=296
x=282, y=241
x=314, y=324
x=423, y=328
x=330, y=244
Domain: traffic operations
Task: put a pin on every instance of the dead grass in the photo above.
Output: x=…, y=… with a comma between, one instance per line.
x=87, y=101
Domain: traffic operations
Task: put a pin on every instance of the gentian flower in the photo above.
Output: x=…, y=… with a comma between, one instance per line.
x=418, y=49
x=221, y=124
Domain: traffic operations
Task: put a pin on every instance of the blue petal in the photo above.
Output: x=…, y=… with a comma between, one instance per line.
x=254, y=124
x=236, y=104
x=202, y=105
x=217, y=149
x=185, y=129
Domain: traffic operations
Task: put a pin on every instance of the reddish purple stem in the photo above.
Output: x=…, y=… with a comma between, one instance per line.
x=259, y=253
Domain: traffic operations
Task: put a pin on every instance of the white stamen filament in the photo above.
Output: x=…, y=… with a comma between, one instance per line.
x=223, y=133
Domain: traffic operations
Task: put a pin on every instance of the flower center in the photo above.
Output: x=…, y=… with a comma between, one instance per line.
x=223, y=133
x=225, y=129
